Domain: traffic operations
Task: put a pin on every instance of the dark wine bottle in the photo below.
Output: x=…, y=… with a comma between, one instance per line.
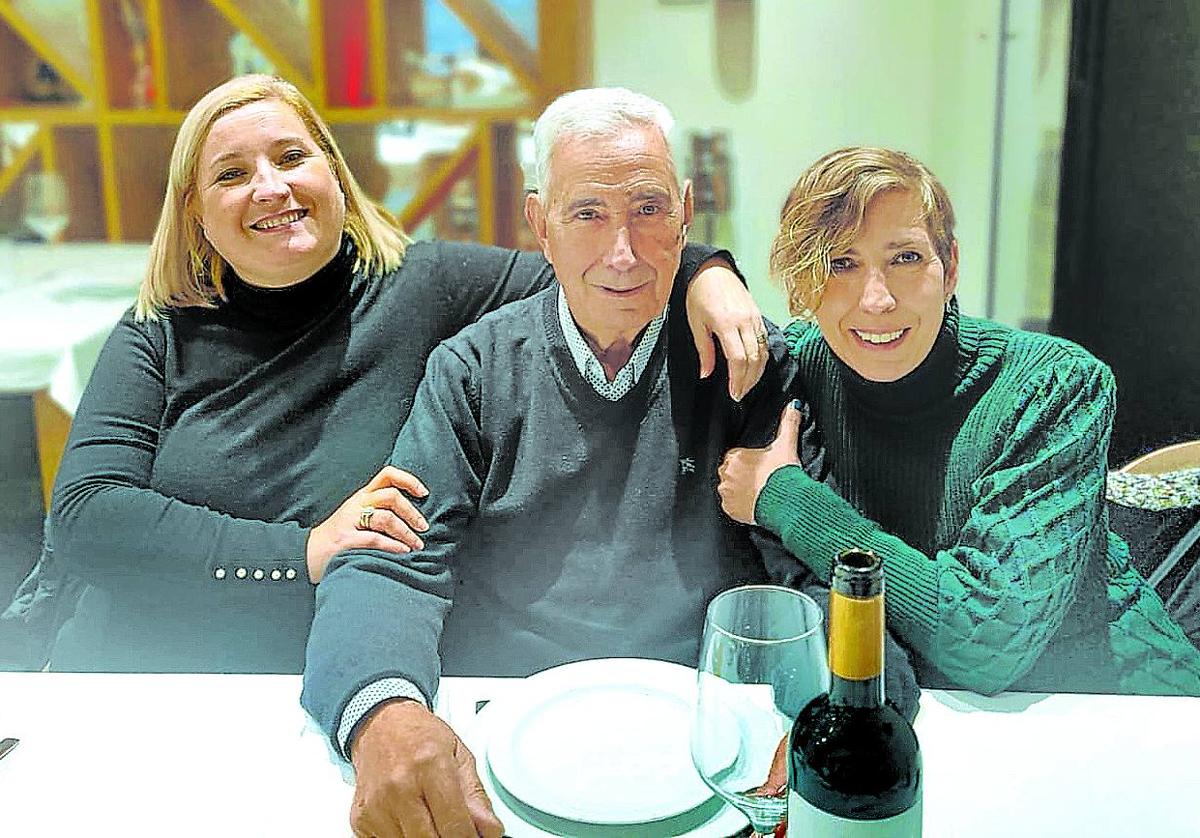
x=854, y=765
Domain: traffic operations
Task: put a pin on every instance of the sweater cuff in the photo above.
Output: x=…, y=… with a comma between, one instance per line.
x=816, y=524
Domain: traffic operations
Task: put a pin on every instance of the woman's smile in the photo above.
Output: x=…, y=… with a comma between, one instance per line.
x=875, y=339
x=279, y=221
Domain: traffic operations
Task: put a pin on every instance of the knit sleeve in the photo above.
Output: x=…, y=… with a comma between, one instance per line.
x=983, y=609
x=379, y=615
x=105, y=519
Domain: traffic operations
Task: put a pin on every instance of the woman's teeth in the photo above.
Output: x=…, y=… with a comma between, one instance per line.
x=879, y=337
x=278, y=220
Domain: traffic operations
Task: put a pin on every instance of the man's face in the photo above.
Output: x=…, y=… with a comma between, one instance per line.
x=612, y=225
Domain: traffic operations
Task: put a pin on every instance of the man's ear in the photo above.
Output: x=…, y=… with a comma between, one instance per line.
x=687, y=206
x=950, y=274
x=535, y=215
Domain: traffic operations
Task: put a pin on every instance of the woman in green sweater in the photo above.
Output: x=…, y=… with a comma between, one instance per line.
x=969, y=455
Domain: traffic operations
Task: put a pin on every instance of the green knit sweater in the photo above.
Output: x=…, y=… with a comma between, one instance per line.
x=979, y=478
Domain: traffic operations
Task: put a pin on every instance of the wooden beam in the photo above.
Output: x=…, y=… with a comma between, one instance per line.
x=10, y=173
x=158, y=52
x=435, y=188
x=51, y=426
x=20, y=17
x=108, y=175
x=316, y=48
x=277, y=30
x=564, y=46
x=496, y=35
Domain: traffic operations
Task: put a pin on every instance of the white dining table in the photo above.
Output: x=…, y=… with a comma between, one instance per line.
x=58, y=303
x=235, y=755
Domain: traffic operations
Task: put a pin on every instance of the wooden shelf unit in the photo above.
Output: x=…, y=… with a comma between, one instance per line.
x=112, y=136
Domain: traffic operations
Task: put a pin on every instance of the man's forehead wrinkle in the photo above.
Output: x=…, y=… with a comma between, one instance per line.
x=594, y=189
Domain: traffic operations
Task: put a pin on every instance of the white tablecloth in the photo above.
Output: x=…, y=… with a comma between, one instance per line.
x=58, y=304
x=234, y=755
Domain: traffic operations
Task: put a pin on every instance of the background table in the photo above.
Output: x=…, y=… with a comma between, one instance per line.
x=58, y=304
x=234, y=755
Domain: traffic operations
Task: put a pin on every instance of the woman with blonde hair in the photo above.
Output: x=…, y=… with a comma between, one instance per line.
x=970, y=456
x=224, y=448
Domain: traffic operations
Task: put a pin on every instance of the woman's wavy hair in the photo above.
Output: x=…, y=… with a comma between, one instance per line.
x=824, y=212
x=184, y=269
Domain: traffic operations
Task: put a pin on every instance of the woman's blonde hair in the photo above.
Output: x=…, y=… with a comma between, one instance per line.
x=184, y=269
x=824, y=211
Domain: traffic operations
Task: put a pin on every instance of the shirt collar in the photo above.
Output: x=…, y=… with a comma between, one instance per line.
x=590, y=367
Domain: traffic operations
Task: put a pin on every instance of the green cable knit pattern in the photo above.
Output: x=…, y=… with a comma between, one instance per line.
x=979, y=479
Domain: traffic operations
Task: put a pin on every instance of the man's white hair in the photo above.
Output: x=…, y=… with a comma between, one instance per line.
x=593, y=112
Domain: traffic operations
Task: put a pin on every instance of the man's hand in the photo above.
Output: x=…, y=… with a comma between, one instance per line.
x=392, y=525
x=720, y=306
x=744, y=471
x=416, y=779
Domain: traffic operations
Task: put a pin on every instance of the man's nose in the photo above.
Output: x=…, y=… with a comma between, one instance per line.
x=876, y=296
x=268, y=184
x=621, y=256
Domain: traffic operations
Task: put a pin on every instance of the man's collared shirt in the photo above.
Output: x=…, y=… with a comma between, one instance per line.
x=589, y=365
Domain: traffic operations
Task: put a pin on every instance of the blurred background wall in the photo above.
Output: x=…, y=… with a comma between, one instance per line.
x=923, y=76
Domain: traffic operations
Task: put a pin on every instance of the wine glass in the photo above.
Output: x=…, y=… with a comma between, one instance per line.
x=46, y=207
x=761, y=661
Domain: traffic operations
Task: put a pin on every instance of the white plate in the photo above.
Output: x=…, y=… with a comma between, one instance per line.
x=600, y=742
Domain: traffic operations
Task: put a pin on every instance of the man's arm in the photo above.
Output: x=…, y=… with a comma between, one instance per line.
x=373, y=648
x=379, y=615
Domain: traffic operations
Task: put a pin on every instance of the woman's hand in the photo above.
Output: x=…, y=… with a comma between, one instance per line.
x=391, y=524
x=744, y=471
x=720, y=306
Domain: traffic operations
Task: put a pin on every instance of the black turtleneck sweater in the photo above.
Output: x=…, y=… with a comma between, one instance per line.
x=209, y=441
x=979, y=478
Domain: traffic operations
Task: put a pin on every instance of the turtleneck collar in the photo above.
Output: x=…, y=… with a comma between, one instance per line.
x=296, y=304
x=933, y=381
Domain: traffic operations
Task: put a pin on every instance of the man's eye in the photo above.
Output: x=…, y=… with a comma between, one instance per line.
x=587, y=214
x=841, y=264
x=907, y=257
x=649, y=209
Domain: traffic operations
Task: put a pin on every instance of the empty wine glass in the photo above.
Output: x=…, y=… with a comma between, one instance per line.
x=46, y=207
x=762, y=660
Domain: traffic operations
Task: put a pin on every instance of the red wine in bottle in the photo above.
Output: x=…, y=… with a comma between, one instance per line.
x=854, y=765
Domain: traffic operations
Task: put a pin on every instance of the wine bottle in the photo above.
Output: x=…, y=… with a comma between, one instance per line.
x=854, y=765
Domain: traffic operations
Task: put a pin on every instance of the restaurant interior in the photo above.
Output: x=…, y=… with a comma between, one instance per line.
x=1064, y=130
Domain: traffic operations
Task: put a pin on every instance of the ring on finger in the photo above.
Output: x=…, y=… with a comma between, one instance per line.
x=762, y=338
x=364, y=517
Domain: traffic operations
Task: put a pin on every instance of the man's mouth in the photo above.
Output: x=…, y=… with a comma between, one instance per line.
x=272, y=222
x=879, y=338
x=623, y=292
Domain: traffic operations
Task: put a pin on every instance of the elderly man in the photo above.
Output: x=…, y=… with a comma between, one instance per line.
x=570, y=455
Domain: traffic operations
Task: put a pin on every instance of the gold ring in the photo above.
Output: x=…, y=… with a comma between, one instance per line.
x=364, y=517
x=762, y=338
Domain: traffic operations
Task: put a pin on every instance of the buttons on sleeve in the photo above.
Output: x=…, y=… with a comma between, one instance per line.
x=259, y=574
